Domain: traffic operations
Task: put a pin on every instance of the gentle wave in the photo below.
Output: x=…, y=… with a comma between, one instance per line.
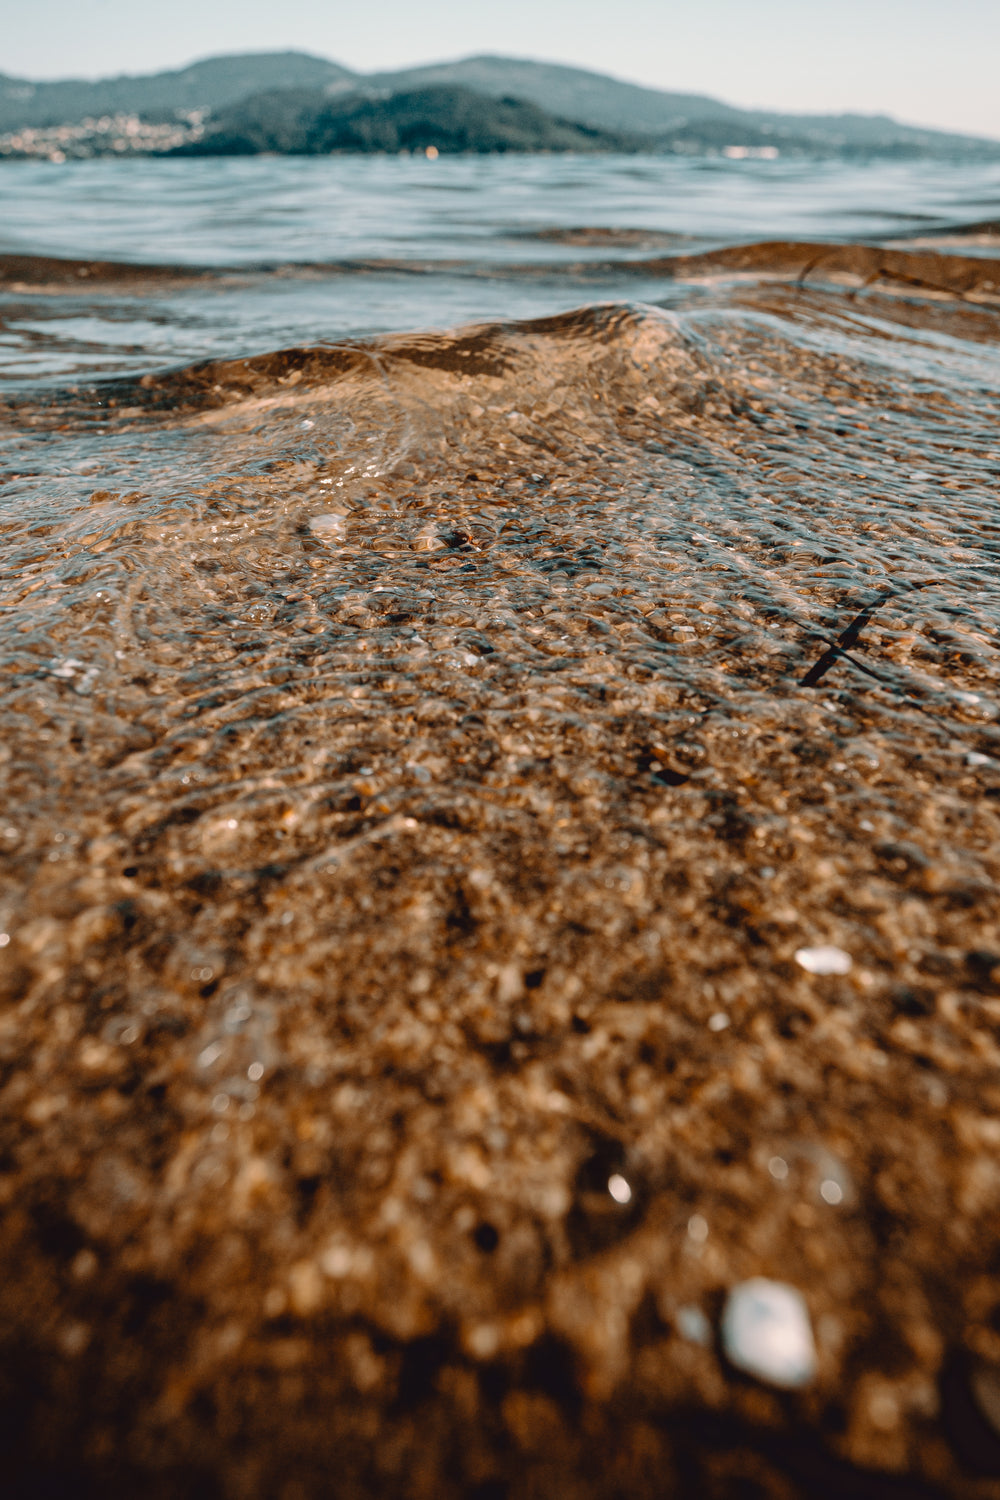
x=923, y=268
x=724, y=274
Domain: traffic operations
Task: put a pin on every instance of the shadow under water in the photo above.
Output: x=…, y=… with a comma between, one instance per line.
x=424, y=760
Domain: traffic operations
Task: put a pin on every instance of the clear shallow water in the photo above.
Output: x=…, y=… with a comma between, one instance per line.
x=406, y=243
x=423, y=758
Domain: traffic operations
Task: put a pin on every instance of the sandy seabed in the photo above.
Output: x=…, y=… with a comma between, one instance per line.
x=423, y=764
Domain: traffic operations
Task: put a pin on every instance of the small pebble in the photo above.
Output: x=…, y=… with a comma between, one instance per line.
x=766, y=1332
x=619, y=1189
x=698, y=1229
x=693, y=1325
x=823, y=960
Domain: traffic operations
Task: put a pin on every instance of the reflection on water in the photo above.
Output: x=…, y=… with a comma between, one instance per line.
x=428, y=760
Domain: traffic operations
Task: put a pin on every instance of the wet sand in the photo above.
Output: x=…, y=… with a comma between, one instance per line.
x=423, y=763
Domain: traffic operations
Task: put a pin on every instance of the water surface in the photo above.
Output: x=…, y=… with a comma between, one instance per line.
x=427, y=753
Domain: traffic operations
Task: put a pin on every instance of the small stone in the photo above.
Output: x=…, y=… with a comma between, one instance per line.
x=698, y=1229
x=337, y=1261
x=824, y=959
x=619, y=1189
x=74, y=1338
x=305, y=1287
x=693, y=1325
x=766, y=1333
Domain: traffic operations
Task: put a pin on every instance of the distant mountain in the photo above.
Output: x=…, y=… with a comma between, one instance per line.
x=602, y=100
x=445, y=119
x=672, y=121
x=207, y=85
x=571, y=92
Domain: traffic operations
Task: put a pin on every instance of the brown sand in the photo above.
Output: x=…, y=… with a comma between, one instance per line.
x=410, y=823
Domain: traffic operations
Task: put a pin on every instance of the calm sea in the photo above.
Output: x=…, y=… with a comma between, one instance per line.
x=394, y=243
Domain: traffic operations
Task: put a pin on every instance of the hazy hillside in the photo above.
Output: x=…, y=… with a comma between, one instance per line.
x=572, y=92
x=609, y=102
x=449, y=119
x=209, y=85
x=673, y=121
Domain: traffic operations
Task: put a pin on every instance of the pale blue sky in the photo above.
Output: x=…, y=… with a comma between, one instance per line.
x=925, y=61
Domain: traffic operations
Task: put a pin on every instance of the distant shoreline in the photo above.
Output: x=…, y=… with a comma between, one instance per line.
x=297, y=104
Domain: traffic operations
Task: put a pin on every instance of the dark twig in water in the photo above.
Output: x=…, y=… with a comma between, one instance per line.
x=882, y=273
x=851, y=634
x=847, y=638
x=919, y=282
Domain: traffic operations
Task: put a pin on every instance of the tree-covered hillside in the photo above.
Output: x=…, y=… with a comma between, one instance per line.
x=446, y=119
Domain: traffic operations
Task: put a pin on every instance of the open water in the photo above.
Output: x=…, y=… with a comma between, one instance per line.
x=357, y=246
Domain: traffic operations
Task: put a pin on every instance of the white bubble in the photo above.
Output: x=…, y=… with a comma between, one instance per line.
x=718, y=1022
x=778, y=1168
x=830, y=1191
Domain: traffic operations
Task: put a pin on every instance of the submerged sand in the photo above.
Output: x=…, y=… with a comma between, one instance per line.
x=423, y=765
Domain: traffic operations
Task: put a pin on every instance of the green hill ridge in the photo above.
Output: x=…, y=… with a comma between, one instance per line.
x=443, y=118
